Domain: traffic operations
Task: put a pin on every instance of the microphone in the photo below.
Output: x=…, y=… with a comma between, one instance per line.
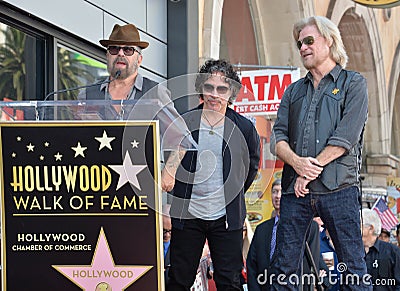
x=117, y=74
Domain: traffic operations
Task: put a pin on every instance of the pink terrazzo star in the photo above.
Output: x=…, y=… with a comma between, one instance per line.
x=103, y=274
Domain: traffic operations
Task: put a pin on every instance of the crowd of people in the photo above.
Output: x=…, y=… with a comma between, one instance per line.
x=316, y=225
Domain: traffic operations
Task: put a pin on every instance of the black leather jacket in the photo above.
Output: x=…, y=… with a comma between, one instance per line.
x=338, y=119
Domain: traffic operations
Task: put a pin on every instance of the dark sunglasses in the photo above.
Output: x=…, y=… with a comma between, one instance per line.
x=208, y=88
x=308, y=40
x=128, y=50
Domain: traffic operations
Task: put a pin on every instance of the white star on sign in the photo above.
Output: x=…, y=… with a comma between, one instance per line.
x=79, y=150
x=30, y=147
x=105, y=141
x=58, y=156
x=135, y=144
x=128, y=172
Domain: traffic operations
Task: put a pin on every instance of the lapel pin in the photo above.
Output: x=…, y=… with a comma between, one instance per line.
x=335, y=91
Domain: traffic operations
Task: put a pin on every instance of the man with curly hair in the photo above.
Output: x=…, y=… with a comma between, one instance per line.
x=210, y=183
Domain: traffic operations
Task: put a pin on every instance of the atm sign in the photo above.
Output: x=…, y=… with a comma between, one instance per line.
x=262, y=90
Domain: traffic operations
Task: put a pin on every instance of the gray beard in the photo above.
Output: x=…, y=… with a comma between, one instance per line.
x=125, y=73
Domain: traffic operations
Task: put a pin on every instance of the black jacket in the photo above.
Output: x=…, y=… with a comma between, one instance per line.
x=383, y=264
x=241, y=155
x=258, y=262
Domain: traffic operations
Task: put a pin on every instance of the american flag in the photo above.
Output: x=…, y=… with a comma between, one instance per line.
x=388, y=219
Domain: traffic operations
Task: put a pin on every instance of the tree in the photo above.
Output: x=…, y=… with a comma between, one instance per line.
x=12, y=65
x=70, y=72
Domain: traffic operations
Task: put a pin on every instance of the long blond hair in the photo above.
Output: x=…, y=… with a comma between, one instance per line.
x=330, y=32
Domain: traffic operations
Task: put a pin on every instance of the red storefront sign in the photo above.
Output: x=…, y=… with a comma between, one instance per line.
x=262, y=90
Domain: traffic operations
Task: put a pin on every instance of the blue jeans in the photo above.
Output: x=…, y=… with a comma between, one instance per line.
x=340, y=212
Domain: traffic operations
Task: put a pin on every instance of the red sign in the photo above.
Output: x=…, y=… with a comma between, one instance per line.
x=262, y=90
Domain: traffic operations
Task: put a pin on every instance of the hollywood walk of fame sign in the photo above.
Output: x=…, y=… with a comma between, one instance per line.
x=80, y=206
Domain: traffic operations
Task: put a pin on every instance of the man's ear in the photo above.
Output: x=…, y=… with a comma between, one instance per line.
x=330, y=42
x=372, y=228
x=140, y=59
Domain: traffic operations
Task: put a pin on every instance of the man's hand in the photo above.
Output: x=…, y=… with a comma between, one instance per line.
x=308, y=168
x=169, y=171
x=167, y=180
x=300, y=187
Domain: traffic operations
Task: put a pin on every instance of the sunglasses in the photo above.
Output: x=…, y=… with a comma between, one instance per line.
x=128, y=50
x=221, y=90
x=308, y=40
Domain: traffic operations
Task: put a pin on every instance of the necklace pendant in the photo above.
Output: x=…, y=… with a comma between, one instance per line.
x=211, y=132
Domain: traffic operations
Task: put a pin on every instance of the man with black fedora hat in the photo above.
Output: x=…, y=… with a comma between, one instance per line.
x=124, y=57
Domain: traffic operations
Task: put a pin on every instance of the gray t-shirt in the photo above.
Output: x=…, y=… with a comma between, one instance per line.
x=208, y=200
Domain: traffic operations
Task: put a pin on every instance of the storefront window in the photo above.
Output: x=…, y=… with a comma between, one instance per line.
x=75, y=69
x=24, y=63
x=21, y=64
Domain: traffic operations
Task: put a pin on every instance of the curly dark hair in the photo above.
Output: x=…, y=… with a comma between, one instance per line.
x=218, y=66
